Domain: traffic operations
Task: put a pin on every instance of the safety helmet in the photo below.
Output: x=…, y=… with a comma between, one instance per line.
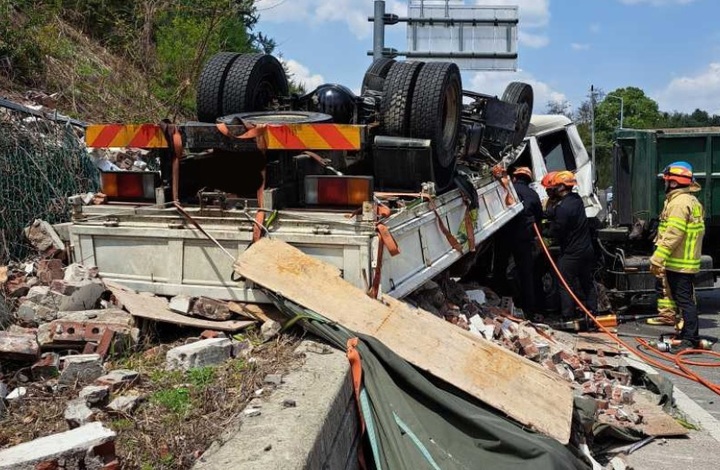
x=565, y=178
x=336, y=100
x=546, y=181
x=523, y=171
x=680, y=172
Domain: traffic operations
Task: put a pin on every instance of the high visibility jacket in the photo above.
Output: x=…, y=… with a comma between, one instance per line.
x=682, y=226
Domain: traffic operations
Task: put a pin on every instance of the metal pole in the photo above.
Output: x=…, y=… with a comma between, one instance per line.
x=592, y=130
x=622, y=108
x=379, y=30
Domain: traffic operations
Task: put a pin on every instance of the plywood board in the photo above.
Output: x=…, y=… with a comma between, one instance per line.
x=512, y=384
x=156, y=308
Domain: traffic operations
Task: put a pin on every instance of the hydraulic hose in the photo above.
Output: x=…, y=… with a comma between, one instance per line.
x=682, y=366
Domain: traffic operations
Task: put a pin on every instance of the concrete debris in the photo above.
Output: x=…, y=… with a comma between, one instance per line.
x=3, y=275
x=22, y=347
x=89, y=446
x=308, y=346
x=48, y=367
x=118, y=379
x=125, y=404
x=95, y=395
x=77, y=413
x=617, y=463
x=202, y=353
x=181, y=304
x=43, y=238
x=251, y=412
x=81, y=368
x=19, y=392
x=30, y=313
x=78, y=273
x=270, y=329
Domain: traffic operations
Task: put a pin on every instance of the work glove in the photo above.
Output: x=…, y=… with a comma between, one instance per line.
x=657, y=266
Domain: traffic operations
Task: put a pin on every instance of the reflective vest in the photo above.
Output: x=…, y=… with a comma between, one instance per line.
x=681, y=230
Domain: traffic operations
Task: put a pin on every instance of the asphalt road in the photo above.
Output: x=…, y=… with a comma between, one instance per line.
x=699, y=449
x=709, y=306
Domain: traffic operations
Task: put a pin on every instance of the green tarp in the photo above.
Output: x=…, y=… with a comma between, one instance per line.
x=415, y=421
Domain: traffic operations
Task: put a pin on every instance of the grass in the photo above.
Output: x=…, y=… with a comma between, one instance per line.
x=176, y=400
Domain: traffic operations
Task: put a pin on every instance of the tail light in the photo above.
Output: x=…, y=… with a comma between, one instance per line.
x=344, y=191
x=130, y=185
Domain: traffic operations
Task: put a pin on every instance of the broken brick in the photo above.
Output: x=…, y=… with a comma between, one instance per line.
x=118, y=378
x=49, y=269
x=212, y=309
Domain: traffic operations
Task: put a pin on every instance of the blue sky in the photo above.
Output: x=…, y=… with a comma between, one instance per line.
x=669, y=48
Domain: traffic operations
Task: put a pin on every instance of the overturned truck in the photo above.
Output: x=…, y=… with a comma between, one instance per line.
x=392, y=187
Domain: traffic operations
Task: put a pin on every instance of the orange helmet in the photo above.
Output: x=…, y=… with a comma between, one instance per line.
x=565, y=178
x=547, y=179
x=680, y=172
x=523, y=171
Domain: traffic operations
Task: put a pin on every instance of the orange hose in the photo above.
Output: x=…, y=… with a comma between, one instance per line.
x=683, y=371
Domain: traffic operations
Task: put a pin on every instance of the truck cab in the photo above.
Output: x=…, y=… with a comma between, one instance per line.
x=552, y=143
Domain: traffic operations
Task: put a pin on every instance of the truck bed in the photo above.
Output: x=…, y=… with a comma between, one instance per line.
x=154, y=249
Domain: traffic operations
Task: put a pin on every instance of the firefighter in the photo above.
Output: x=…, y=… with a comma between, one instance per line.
x=570, y=228
x=678, y=246
x=520, y=238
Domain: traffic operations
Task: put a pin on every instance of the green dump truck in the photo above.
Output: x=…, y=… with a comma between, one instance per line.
x=638, y=194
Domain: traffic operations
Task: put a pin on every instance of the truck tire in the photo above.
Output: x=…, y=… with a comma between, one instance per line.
x=210, y=86
x=521, y=94
x=276, y=117
x=435, y=110
x=253, y=82
x=397, y=98
x=374, y=78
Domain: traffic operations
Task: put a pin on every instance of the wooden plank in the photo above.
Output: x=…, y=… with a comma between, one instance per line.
x=512, y=384
x=261, y=313
x=156, y=308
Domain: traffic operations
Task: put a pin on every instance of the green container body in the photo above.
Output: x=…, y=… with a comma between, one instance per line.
x=641, y=155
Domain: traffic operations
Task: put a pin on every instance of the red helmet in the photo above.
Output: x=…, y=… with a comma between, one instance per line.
x=547, y=179
x=565, y=178
x=680, y=172
x=523, y=171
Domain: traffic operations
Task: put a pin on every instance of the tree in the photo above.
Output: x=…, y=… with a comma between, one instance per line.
x=559, y=107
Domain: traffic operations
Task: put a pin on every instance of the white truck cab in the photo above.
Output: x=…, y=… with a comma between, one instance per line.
x=553, y=144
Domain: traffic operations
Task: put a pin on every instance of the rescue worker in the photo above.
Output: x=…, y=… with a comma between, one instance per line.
x=679, y=244
x=519, y=239
x=570, y=228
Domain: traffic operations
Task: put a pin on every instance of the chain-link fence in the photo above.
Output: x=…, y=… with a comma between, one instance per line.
x=41, y=163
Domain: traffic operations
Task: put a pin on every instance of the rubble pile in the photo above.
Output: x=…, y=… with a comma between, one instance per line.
x=63, y=334
x=121, y=159
x=599, y=377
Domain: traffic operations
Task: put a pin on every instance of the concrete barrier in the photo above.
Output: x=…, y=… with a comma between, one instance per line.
x=320, y=431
